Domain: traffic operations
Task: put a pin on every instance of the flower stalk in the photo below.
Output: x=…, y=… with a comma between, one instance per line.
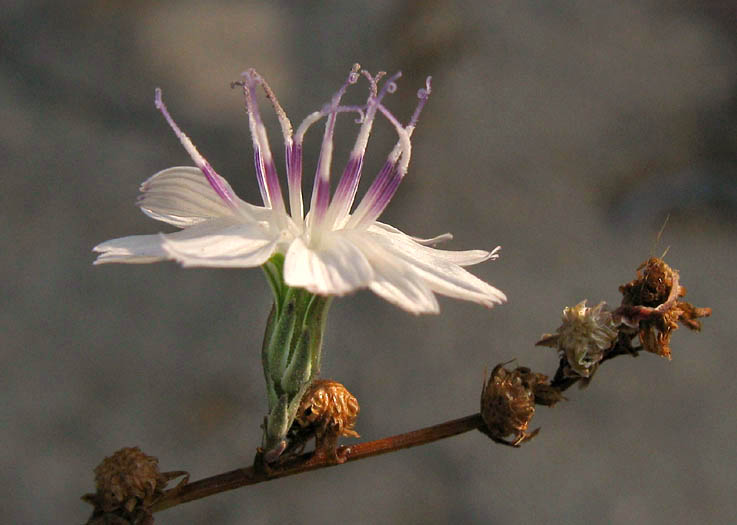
x=304, y=463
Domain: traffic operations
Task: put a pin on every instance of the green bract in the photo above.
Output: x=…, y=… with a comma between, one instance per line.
x=291, y=352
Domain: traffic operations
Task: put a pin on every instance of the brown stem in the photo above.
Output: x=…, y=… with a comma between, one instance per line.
x=306, y=462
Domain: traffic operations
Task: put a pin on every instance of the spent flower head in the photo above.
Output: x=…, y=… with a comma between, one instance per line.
x=508, y=403
x=652, y=305
x=326, y=412
x=333, y=249
x=328, y=407
x=128, y=484
x=583, y=337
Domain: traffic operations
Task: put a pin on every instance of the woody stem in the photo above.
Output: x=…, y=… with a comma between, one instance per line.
x=306, y=462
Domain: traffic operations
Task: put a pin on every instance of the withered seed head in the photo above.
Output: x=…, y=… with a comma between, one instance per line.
x=127, y=478
x=651, y=304
x=328, y=407
x=508, y=403
x=652, y=286
x=128, y=484
x=584, y=336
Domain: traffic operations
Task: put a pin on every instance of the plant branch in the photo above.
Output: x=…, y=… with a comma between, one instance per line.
x=310, y=461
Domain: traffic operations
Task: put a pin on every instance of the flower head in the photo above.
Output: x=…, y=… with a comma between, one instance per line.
x=335, y=248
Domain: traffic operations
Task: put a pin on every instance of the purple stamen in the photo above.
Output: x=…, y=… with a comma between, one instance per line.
x=284, y=122
x=261, y=177
x=293, y=154
x=345, y=193
x=374, y=192
x=217, y=183
x=352, y=109
x=272, y=182
x=348, y=184
x=326, y=110
x=294, y=180
x=423, y=94
x=265, y=169
x=387, y=181
x=321, y=187
x=390, y=85
x=374, y=81
x=391, y=118
x=383, y=196
x=320, y=199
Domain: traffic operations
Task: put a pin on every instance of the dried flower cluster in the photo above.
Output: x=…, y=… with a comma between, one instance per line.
x=651, y=310
x=508, y=403
x=652, y=305
x=128, y=483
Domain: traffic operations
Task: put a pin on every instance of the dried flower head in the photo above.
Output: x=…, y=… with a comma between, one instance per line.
x=128, y=483
x=328, y=408
x=327, y=412
x=508, y=403
x=584, y=336
x=651, y=304
x=127, y=477
x=653, y=285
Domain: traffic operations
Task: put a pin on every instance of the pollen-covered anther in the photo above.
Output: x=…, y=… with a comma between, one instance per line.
x=508, y=404
x=583, y=338
x=327, y=411
x=128, y=484
x=651, y=305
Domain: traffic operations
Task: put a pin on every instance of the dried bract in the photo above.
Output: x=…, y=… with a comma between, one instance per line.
x=583, y=338
x=545, y=393
x=651, y=304
x=128, y=483
x=508, y=403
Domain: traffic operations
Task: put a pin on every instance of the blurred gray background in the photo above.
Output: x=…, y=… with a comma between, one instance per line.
x=564, y=131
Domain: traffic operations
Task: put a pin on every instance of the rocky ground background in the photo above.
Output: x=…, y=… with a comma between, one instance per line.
x=566, y=132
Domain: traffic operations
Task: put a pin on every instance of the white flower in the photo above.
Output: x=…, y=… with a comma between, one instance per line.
x=330, y=251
